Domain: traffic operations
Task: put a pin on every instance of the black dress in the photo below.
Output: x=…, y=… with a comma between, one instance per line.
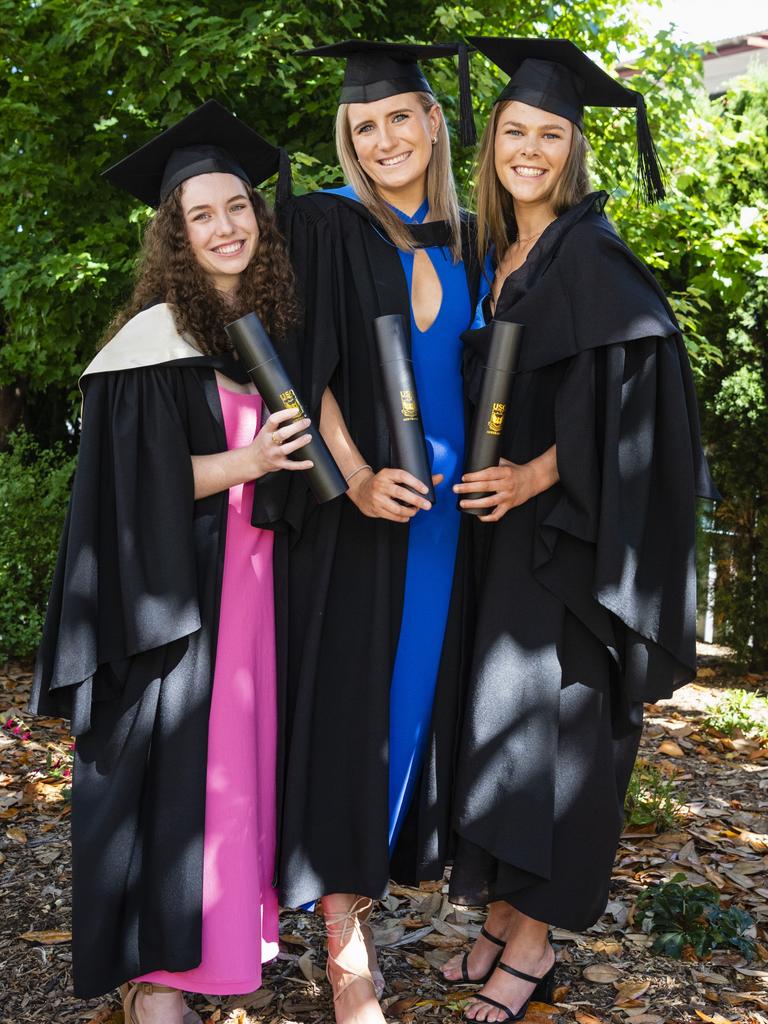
x=346, y=582
x=587, y=592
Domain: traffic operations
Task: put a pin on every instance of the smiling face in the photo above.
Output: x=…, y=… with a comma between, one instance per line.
x=221, y=226
x=531, y=150
x=393, y=143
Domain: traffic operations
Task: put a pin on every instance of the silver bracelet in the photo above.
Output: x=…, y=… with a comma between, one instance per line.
x=358, y=470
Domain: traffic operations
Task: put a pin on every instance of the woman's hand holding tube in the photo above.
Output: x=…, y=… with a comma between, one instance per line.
x=389, y=494
x=280, y=435
x=508, y=484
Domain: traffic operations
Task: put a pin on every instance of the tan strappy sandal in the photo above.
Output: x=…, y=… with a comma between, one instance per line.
x=373, y=961
x=130, y=990
x=351, y=965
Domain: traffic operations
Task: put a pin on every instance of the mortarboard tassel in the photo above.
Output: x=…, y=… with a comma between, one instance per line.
x=467, y=131
x=284, y=189
x=650, y=174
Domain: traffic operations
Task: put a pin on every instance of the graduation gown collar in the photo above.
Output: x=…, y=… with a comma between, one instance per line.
x=151, y=338
x=544, y=251
x=580, y=288
x=433, y=233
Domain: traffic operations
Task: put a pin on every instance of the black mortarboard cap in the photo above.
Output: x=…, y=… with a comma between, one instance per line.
x=209, y=139
x=555, y=75
x=376, y=70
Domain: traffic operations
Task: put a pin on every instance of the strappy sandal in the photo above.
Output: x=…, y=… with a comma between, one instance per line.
x=373, y=961
x=545, y=987
x=130, y=990
x=345, y=926
x=465, y=978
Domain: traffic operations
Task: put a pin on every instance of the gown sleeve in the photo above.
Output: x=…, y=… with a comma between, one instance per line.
x=125, y=580
x=618, y=543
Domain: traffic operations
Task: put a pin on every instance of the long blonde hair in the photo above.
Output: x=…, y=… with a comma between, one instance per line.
x=495, y=210
x=441, y=189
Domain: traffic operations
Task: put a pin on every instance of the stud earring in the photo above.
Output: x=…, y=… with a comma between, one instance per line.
x=434, y=141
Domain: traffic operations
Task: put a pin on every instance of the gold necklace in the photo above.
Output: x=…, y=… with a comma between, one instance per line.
x=530, y=238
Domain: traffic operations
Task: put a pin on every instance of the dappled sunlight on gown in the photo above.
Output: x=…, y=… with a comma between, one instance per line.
x=240, y=926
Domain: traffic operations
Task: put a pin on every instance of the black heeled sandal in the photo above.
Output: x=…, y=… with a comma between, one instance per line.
x=465, y=978
x=545, y=987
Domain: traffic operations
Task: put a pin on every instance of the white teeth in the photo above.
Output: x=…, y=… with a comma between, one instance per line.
x=229, y=249
x=394, y=160
x=529, y=172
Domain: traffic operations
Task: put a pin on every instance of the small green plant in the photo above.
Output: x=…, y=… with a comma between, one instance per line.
x=651, y=799
x=34, y=490
x=682, y=915
x=739, y=712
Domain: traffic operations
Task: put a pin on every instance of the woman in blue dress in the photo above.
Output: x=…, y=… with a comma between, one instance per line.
x=375, y=580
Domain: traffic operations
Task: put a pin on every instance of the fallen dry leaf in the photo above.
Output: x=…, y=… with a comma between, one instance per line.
x=602, y=974
x=16, y=834
x=309, y=968
x=716, y=1018
x=671, y=749
x=631, y=990
x=43, y=792
x=51, y=938
x=443, y=941
x=587, y=1018
x=388, y=932
x=607, y=947
x=541, y=1013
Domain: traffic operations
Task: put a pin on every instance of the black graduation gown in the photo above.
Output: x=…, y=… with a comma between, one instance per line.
x=347, y=577
x=587, y=592
x=128, y=654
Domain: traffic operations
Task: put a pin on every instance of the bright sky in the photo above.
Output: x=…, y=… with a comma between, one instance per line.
x=702, y=21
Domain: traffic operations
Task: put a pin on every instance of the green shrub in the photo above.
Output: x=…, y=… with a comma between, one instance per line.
x=34, y=490
x=651, y=799
x=683, y=915
x=738, y=711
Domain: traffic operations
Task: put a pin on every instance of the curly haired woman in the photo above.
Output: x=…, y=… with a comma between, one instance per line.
x=159, y=642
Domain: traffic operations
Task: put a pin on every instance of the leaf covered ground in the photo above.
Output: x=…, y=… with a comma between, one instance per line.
x=711, y=793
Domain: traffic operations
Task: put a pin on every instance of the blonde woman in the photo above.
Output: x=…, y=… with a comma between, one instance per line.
x=371, y=580
x=586, y=604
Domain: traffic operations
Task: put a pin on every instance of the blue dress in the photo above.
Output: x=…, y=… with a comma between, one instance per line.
x=433, y=535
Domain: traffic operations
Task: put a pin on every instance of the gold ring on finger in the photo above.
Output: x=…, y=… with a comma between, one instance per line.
x=276, y=439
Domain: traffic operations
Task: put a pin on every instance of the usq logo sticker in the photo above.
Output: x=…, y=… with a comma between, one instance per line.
x=408, y=406
x=290, y=400
x=496, y=421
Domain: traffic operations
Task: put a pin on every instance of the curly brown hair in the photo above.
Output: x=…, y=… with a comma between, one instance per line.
x=168, y=271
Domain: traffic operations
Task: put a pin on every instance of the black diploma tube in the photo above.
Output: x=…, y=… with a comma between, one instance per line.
x=501, y=365
x=409, y=446
x=263, y=366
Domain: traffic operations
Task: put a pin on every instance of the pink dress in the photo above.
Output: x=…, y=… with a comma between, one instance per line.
x=240, y=927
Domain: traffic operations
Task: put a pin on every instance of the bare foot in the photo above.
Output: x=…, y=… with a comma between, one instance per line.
x=500, y=922
x=526, y=951
x=158, y=1008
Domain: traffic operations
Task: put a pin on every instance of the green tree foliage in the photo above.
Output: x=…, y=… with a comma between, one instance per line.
x=34, y=490
x=83, y=82
x=735, y=389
